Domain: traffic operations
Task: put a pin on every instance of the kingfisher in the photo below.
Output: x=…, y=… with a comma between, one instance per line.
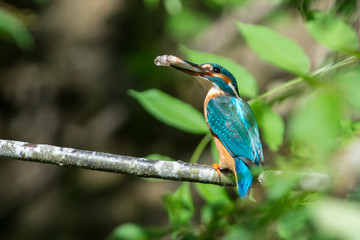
x=229, y=118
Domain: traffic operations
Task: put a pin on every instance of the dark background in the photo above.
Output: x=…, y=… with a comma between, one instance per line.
x=71, y=89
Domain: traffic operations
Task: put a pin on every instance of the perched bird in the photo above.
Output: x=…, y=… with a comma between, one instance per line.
x=230, y=119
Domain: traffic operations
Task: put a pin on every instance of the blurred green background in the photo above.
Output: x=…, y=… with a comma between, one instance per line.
x=66, y=68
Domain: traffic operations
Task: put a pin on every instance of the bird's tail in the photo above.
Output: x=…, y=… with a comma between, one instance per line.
x=244, y=178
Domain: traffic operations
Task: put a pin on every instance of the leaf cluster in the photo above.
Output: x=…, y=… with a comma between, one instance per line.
x=322, y=122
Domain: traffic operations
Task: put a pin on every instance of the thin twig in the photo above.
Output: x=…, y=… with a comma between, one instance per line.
x=319, y=72
x=141, y=167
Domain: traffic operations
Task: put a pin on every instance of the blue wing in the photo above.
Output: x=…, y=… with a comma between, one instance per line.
x=233, y=121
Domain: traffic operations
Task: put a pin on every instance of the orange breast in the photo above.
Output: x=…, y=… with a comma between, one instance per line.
x=225, y=159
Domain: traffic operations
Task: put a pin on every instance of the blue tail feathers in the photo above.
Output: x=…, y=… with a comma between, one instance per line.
x=244, y=178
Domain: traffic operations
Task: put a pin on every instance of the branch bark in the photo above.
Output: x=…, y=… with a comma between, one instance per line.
x=141, y=167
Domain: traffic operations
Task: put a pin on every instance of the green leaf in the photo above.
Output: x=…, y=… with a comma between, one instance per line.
x=332, y=32
x=314, y=127
x=213, y=216
x=275, y=48
x=237, y=232
x=349, y=83
x=280, y=185
x=179, y=205
x=246, y=82
x=14, y=30
x=173, y=7
x=212, y=193
x=271, y=125
x=151, y=4
x=156, y=156
x=186, y=24
x=128, y=231
x=337, y=219
x=356, y=127
x=171, y=111
x=293, y=223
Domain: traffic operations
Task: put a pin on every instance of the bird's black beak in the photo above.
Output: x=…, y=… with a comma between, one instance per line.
x=182, y=65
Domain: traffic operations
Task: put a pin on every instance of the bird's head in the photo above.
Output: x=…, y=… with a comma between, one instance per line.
x=219, y=77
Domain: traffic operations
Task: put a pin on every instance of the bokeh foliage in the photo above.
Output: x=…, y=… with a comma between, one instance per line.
x=14, y=31
x=321, y=125
x=317, y=132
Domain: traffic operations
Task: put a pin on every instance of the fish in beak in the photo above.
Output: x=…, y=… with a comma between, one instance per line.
x=182, y=65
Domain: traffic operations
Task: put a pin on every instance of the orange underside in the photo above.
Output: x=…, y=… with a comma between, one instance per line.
x=225, y=159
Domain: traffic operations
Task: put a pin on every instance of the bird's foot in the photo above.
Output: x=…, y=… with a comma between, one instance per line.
x=217, y=168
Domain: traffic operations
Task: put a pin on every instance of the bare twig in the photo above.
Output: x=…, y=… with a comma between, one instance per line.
x=141, y=167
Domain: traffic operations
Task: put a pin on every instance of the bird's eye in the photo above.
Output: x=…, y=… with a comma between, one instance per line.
x=216, y=69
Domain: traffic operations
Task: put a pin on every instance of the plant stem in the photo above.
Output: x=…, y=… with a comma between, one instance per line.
x=330, y=67
x=277, y=89
x=200, y=148
x=318, y=72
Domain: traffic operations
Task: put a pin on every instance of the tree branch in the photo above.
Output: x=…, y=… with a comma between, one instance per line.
x=141, y=167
